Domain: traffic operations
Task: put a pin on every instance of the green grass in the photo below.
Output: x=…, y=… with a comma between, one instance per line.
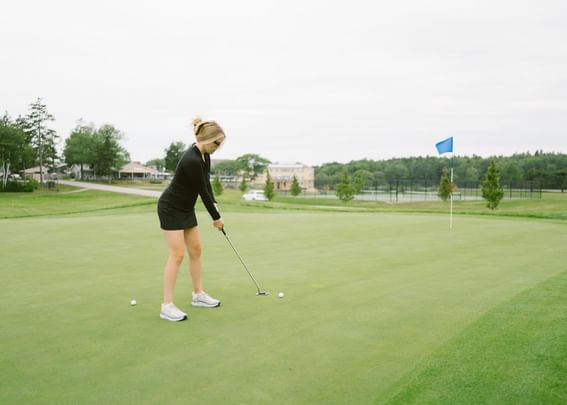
x=69, y=201
x=550, y=206
x=379, y=306
x=515, y=354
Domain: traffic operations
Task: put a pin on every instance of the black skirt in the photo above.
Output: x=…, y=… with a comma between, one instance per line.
x=174, y=219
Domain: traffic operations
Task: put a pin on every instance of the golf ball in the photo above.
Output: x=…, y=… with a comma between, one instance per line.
x=133, y=302
x=280, y=294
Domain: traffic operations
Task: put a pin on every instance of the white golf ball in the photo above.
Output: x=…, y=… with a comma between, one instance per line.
x=133, y=302
x=280, y=295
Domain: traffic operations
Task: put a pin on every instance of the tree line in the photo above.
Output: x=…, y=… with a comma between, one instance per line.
x=549, y=170
x=28, y=141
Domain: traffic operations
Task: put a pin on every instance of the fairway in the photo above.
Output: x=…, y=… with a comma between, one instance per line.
x=371, y=300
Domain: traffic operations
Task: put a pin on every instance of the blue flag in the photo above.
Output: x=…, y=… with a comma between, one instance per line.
x=445, y=146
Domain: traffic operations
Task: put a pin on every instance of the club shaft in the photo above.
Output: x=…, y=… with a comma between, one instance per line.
x=242, y=261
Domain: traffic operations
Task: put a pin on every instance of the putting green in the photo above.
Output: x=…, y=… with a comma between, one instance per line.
x=368, y=298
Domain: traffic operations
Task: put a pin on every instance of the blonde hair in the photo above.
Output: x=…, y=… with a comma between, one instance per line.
x=207, y=131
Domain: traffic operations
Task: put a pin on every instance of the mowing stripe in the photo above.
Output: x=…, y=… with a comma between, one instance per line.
x=524, y=342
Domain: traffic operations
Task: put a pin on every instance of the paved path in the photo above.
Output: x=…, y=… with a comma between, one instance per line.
x=114, y=189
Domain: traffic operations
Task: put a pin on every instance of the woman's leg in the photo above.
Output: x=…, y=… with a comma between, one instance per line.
x=193, y=244
x=176, y=248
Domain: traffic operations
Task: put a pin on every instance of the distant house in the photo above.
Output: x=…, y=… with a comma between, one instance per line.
x=88, y=173
x=136, y=170
x=282, y=176
x=34, y=173
x=132, y=170
x=49, y=173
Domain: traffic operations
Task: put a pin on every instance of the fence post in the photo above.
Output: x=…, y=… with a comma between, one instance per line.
x=397, y=184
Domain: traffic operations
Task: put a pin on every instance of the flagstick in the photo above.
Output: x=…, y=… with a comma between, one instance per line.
x=446, y=146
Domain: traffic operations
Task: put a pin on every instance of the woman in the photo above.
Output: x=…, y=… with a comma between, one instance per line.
x=176, y=211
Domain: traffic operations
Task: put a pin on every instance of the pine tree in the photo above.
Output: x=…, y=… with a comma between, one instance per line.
x=42, y=138
x=491, y=189
x=295, y=187
x=444, y=185
x=217, y=186
x=269, y=187
x=243, y=186
x=345, y=189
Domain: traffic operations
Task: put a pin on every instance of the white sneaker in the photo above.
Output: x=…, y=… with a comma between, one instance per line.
x=172, y=313
x=204, y=300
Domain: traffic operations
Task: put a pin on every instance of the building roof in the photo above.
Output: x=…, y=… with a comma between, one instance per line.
x=32, y=170
x=137, y=167
x=286, y=165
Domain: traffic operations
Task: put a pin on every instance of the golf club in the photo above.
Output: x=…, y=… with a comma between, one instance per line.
x=246, y=268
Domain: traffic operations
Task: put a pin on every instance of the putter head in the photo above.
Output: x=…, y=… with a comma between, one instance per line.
x=262, y=293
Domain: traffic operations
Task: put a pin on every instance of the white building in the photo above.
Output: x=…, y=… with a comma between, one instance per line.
x=282, y=176
x=132, y=171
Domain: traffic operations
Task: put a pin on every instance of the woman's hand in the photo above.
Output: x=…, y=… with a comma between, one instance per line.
x=219, y=224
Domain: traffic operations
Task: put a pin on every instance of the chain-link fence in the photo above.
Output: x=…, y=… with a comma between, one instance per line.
x=399, y=191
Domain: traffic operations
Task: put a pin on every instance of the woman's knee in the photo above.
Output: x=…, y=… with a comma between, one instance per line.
x=194, y=250
x=176, y=256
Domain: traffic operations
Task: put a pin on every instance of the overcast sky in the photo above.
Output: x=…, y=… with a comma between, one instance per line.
x=296, y=80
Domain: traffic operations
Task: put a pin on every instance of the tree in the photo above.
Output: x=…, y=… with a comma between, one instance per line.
x=295, y=187
x=243, y=186
x=491, y=190
x=80, y=146
x=345, y=189
x=269, y=187
x=510, y=173
x=471, y=174
x=173, y=154
x=562, y=179
x=159, y=164
x=227, y=168
x=42, y=138
x=252, y=165
x=396, y=171
x=363, y=179
x=108, y=154
x=12, y=148
x=444, y=185
x=217, y=186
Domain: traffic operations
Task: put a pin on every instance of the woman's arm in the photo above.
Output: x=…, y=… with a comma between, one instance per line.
x=198, y=179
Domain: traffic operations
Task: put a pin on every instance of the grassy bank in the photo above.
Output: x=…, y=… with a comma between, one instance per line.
x=66, y=201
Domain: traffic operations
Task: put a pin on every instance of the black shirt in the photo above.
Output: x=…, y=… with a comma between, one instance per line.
x=192, y=178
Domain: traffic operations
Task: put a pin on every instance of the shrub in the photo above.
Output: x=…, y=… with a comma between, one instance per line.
x=345, y=189
x=217, y=186
x=295, y=187
x=30, y=185
x=17, y=186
